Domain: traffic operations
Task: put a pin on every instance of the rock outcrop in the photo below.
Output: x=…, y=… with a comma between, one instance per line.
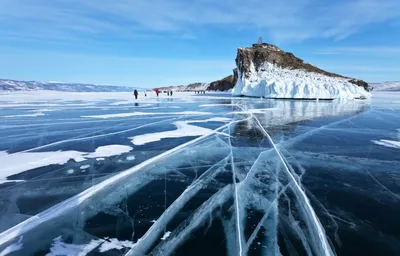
x=258, y=54
x=225, y=83
x=264, y=70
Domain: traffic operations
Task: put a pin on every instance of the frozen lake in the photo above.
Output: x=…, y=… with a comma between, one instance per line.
x=103, y=174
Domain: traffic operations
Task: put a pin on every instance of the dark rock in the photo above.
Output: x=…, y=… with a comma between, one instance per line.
x=224, y=84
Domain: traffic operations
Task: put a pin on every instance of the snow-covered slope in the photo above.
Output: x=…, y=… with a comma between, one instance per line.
x=264, y=70
x=275, y=82
x=13, y=85
x=386, y=86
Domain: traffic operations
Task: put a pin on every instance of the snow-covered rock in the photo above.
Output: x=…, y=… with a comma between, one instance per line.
x=267, y=71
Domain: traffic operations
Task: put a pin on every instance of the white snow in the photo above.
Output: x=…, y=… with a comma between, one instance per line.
x=15, y=163
x=100, y=159
x=13, y=247
x=60, y=248
x=27, y=115
x=166, y=235
x=388, y=143
x=84, y=167
x=113, y=243
x=184, y=129
x=70, y=171
x=216, y=105
x=110, y=150
x=22, y=161
x=130, y=158
x=147, y=114
x=274, y=82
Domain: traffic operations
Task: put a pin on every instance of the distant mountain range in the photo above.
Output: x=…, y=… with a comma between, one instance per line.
x=386, y=86
x=13, y=85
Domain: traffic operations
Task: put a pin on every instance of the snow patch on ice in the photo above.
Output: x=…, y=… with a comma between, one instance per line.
x=23, y=161
x=166, y=235
x=113, y=243
x=61, y=248
x=83, y=167
x=27, y=115
x=275, y=82
x=184, y=129
x=108, y=151
x=100, y=159
x=388, y=143
x=15, y=163
x=70, y=171
x=12, y=248
x=216, y=105
x=147, y=114
x=130, y=158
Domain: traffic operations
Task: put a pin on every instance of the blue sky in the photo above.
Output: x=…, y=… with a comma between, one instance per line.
x=149, y=43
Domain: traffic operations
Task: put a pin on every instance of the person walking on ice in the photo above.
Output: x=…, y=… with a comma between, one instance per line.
x=135, y=93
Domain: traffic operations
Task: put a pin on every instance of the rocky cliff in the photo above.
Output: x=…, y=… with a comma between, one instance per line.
x=258, y=54
x=225, y=83
x=265, y=70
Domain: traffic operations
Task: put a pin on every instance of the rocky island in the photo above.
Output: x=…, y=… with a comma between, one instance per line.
x=264, y=70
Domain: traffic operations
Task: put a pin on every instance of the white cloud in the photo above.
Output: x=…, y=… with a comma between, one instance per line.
x=283, y=20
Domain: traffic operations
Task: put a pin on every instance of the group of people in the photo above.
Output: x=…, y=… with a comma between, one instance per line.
x=136, y=93
x=202, y=92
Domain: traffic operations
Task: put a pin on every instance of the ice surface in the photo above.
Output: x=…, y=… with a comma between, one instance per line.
x=13, y=248
x=275, y=82
x=259, y=177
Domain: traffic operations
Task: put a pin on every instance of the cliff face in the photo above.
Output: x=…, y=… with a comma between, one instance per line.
x=259, y=54
x=224, y=84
